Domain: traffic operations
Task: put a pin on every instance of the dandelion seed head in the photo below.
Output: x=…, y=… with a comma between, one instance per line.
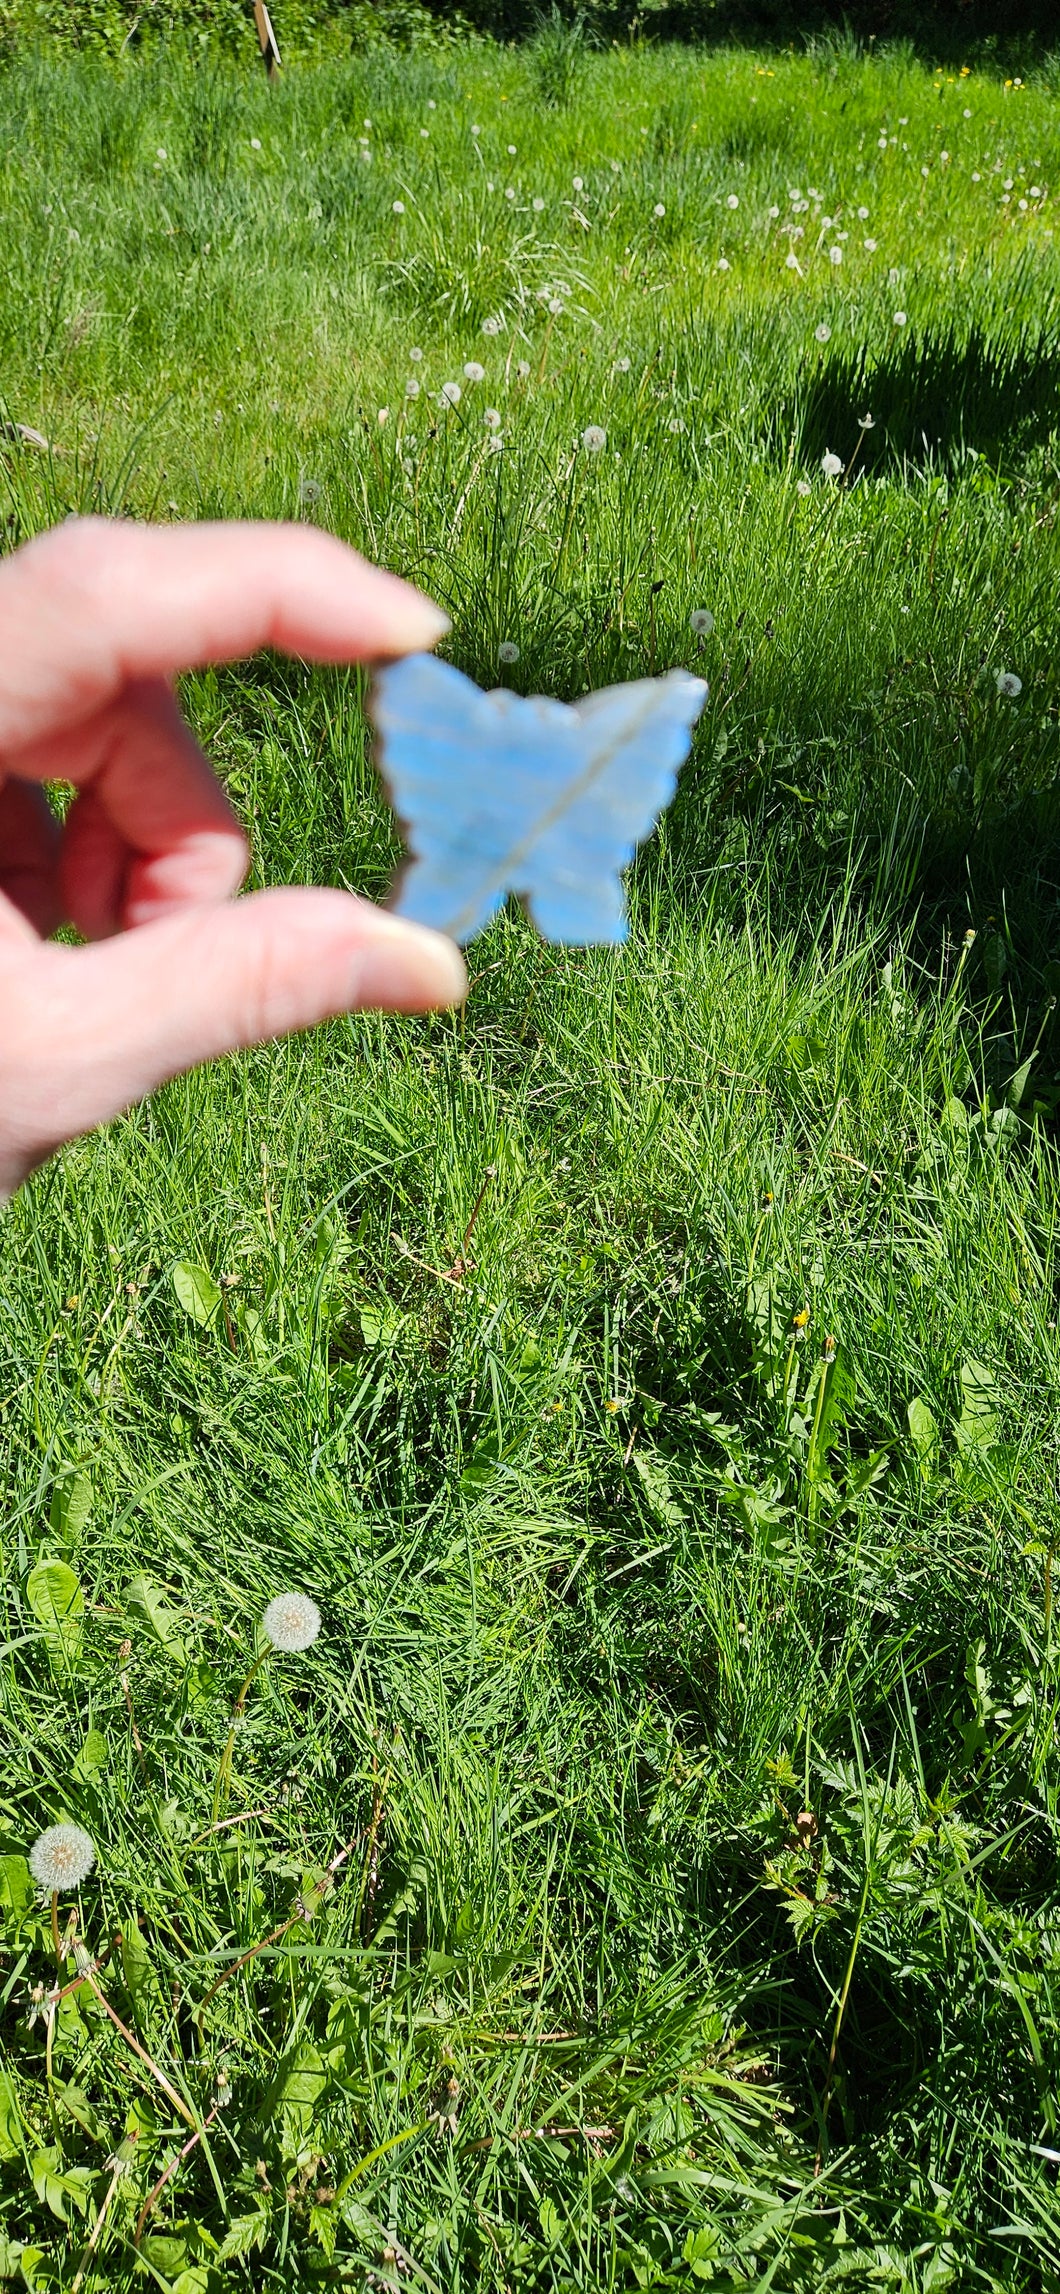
x=866, y=422
x=523, y=369
x=863, y=214
x=899, y=319
x=723, y=263
x=594, y=439
x=658, y=208
x=309, y=490
x=791, y=261
x=835, y=254
x=577, y=183
x=291, y=1622
x=507, y=651
x=473, y=372
x=823, y=333
x=255, y=143
x=397, y=206
x=492, y=418
x=701, y=621
x=415, y=354
x=538, y=206
x=61, y=1858
x=871, y=246
x=831, y=465
x=802, y=486
x=412, y=387
x=732, y=200
x=491, y=326
x=1008, y=684
x=450, y=394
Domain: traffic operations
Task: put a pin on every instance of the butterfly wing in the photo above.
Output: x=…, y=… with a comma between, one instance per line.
x=634, y=739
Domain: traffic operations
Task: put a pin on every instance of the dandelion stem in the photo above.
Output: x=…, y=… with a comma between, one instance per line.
x=184, y=2109
x=155, y=2194
x=225, y=1763
x=55, y=1924
x=117, y=2171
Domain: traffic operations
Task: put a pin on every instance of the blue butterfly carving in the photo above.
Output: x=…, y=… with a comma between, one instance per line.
x=496, y=794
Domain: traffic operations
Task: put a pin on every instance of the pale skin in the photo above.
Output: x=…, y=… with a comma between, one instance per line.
x=96, y=618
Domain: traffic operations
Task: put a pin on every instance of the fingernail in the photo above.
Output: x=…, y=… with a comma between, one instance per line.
x=419, y=624
x=406, y=967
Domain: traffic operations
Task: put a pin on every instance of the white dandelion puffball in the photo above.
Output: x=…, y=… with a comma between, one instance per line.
x=866, y=422
x=523, y=369
x=61, y=1858
x=255, y=143
x=491, y=326
x=476, y=131
x=577, y=183
x=594, y=439
x=412, y=387
x=507, y=650
x=492, y=418
x=831, y=465
x=899, y=318
x=791, y=262
x=822, y=334
x=538, y=206
x=835, y=254
x=701, y=621
x=473, y=372
x=732, y=200
x=723, y=263
x=658, y=208
x=802, y=486
x=415, y=354
x=511, y=151
x=863, y=214
x=291, y=1622
x=1008, y=684
x=871, y=246
x=622, y=365
x=450, y=394
x=398, y=206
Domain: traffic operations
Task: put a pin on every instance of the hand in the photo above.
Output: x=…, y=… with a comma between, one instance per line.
x=95, y=618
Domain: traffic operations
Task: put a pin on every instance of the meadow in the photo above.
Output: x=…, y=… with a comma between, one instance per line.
x=648, y=1877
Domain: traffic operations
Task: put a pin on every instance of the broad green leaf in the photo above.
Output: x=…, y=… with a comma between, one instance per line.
x=137, y=1966
x=94, y=1755
x=243, y=2236
x=75, y=2102
x=147, y=1600
x=193, y=2281
x=976, y=1427
x=923, y=1428
x=58, y=2186
x=16, y=1887
x=57, y=1601
x=10, y=2123
x=196, y=1290
x=71, y=1505
x=655, y=1482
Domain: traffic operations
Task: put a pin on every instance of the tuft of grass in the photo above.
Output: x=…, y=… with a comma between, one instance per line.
x=647, y=1879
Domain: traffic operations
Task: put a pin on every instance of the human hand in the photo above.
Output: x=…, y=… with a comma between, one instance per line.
x=95, y=618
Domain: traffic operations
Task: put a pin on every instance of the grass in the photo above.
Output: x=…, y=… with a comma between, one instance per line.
x=648, y=1879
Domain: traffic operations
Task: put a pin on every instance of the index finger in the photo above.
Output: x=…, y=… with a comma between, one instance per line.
x=97, y=602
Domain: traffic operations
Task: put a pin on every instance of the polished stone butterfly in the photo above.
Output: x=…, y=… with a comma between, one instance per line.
x=497, y=794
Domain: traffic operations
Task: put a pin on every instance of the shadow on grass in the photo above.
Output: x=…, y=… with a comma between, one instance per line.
x=931, y=397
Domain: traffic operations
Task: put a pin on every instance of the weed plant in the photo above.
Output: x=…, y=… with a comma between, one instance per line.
x=648, y=1876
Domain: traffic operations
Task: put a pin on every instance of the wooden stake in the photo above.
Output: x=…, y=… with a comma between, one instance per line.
x=270, y=54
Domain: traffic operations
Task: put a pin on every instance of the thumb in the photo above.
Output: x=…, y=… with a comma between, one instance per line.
x=84, y=1032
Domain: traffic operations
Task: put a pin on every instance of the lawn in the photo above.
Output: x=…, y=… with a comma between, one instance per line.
x=648, y=1878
